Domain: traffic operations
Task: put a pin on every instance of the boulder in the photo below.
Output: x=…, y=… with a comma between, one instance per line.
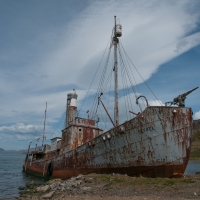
x=42, y=188
x=48, y=195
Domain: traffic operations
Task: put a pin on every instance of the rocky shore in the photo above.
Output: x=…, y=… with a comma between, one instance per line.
x=113, y=186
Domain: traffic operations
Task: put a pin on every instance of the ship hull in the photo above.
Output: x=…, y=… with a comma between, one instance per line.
x=155, y=143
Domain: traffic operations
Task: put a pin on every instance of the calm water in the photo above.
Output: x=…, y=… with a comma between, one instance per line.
x=11, y=175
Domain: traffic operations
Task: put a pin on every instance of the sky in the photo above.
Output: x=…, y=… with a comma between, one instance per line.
x=50, y=47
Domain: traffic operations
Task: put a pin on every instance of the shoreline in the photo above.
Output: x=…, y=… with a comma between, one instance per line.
x=109, y=186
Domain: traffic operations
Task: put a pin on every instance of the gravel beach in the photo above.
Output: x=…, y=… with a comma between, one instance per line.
x=114, y=186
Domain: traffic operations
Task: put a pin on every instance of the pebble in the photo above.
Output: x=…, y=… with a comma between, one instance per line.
x=86, y=188
x=84, y=185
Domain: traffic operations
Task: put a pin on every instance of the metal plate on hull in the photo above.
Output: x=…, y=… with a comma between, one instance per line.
x=156, y=143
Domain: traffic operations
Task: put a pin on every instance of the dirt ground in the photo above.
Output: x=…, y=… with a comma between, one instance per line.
x=119, y=187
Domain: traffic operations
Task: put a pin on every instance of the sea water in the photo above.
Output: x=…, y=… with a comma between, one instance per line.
x=12, y=176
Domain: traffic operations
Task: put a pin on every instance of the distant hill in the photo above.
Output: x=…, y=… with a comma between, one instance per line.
x=195, y=150
x=12, y=151
x=2, y=150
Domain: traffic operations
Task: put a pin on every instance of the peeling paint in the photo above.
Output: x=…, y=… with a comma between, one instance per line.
x=156, y=143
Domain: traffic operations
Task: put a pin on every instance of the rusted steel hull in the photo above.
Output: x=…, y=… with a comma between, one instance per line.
x=156, y=143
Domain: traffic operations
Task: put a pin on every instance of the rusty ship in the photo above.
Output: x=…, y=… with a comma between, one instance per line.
x=154, y=142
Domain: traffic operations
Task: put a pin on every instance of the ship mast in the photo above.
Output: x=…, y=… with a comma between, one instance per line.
x=117, y=33
x=43, y=137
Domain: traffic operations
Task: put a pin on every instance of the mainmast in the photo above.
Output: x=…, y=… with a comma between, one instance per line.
x=117, y=33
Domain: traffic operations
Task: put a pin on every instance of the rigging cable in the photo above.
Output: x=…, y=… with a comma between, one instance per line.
x=136, y=85
x=59, y=122
x=94, y=77
x=127, y=87
x=130, y=80
x=140, y=75
x=124, y=89
x=99, y=90
x=100, y=84
x=103, y=118
x=126, y=69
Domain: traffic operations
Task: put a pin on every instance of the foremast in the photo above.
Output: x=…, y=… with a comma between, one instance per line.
x=43, y=136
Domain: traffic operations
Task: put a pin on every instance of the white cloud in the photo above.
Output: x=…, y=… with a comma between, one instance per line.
x=155, y=103
x=196, y=115
x=154, y=32
x=20, y=131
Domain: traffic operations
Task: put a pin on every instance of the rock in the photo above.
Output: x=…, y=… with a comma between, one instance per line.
x=62, y=188
x=89, y=180
x=30, y=184
x=21, y=188
x=42, y=188
x=54, y=180
x=79, y=177
x=54, y=186
x=72, y=183
x=86, y=188
x=195, y=194
x=48, y=195
x=62, y=184
x=78, y=182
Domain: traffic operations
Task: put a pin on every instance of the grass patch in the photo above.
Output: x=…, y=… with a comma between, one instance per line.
x=169, y=183
x=122, y=180
x=195, y=155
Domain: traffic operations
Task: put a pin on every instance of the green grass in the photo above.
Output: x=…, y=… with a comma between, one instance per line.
x=195, y=155
x=133, y=181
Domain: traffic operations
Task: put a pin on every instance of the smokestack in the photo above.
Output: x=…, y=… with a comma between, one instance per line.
x=71, y=110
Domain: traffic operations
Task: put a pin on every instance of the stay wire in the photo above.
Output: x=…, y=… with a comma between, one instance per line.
x=127, y=70
x=58, y=123
x=95, y=102
x=100, y=85
x=127, y=92
x=124, y=90
x=136, y=85
x=126, y=85
x=140, y=75
x=129, y=79
x=94, y=76
x=127, y=61
x=103, y=118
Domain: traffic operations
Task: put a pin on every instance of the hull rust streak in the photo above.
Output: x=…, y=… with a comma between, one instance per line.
x=156, y=143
